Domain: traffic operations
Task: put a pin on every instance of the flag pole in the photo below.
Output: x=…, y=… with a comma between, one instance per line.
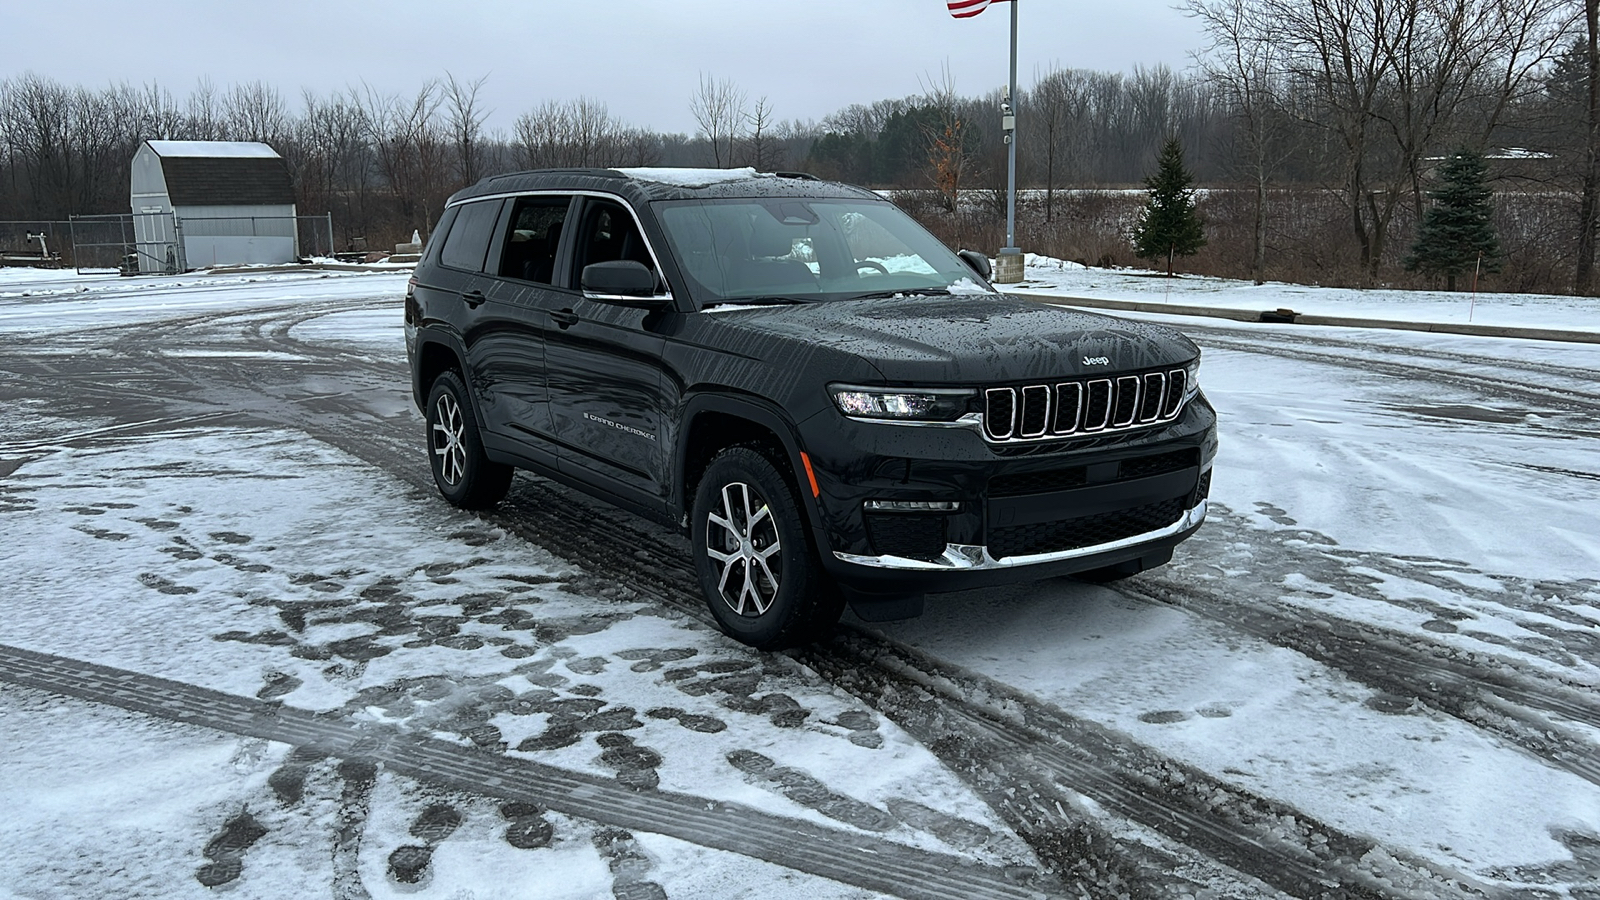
x=1011, y=156
x=1008, y=263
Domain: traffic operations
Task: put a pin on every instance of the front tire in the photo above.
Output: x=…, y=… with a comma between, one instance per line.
x=753, y=557
x=464, y=475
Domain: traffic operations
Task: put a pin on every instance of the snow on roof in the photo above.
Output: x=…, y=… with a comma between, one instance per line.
x=214, y=149
x=690, y=177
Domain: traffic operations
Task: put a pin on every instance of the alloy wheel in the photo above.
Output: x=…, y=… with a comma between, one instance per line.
x=742, y=542
x=448, y=433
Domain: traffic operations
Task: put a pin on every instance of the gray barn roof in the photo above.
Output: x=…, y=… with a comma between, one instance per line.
x=223, y=173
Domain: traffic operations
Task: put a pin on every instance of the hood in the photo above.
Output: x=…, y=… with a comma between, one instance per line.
x=973, y=339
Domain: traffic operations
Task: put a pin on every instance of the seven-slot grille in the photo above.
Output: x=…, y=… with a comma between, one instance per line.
x=1087, y=406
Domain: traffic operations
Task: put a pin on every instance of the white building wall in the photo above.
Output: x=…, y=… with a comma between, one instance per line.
x=235, y=235
x=154, y=237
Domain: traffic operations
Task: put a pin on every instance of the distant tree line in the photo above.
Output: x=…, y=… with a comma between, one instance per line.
x=1313, y=129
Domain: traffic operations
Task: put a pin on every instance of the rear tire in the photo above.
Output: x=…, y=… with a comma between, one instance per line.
x=464, y=475
x=754, y=558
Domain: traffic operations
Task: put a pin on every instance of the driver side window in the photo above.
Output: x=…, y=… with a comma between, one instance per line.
x=608, y=233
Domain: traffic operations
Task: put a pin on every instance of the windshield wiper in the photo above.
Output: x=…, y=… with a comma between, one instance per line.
x=904, y=292
x=757, y=301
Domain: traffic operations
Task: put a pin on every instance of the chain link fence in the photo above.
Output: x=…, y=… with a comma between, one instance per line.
x=167, y=243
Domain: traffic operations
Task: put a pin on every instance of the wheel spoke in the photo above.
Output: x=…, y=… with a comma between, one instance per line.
x=740, y=529
x=749, y=588
x=722, y=584
x=771, y=579
x=762, y=513
x=727, y=526
x=749, y=520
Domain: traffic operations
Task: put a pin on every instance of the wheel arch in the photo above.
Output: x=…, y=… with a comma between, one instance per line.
x=716, y=421
x=435, y=353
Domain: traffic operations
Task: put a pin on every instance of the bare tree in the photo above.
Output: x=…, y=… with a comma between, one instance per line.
x=719, y=109
x=464, y=115
x=1247, y=72
x=950, y=147
x=256, y=112
x=578, y=133
x=203, y=113
x=1589, y=180
x=761, y=150
x=1393, y=80
x=1059, y=102
x=866, y=120
x=411, y=151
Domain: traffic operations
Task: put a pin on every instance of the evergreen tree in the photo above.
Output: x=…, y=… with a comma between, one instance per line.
x=1458, y=229
x=1168, y=225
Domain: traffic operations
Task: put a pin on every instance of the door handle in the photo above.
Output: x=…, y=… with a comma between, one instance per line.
x=473, y=298
x=566, y=318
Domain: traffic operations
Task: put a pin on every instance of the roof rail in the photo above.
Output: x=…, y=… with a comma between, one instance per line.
x=803, y=176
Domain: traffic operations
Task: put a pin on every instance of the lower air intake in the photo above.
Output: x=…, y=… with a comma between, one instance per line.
x=1085, y=531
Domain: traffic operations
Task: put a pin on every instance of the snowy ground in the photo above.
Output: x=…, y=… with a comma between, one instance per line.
x=1049, y=275
x=1372, y=673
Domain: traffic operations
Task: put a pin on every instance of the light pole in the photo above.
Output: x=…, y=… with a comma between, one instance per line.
x=1008, y=264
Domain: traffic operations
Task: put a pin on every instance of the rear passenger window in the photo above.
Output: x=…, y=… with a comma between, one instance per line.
x=468, y=241
x=530, y=249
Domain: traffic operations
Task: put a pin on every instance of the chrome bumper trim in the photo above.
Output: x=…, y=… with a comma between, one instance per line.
x=976, y=558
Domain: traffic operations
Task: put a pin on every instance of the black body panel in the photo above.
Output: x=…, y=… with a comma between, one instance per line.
x=625, y=397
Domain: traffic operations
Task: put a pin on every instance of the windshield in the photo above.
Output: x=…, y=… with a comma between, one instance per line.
x=787, y=249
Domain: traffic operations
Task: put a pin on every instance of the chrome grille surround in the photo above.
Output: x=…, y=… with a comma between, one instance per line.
x=1040, y=412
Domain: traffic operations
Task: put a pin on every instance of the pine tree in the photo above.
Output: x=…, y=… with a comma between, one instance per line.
x=1458, y=229
x=1168, y=225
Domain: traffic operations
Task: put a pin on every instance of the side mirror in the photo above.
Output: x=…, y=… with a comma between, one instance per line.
x=977, y=262
x=620, y=280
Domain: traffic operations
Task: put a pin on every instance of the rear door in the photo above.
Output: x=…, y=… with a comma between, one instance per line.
x=462, y=285
x=511, y=342
x=605, y=367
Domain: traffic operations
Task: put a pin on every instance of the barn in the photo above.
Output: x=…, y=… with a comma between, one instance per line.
x=210, y=203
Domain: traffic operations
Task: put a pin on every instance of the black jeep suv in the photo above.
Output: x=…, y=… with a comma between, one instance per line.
x=832, y=404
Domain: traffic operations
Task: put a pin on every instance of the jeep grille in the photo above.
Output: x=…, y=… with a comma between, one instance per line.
x=1037, y=412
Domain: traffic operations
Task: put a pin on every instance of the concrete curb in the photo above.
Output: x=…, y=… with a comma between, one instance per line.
x=1251, y=315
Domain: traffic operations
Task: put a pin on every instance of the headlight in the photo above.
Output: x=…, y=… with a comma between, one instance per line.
x=1191, y=380
x=901, y=404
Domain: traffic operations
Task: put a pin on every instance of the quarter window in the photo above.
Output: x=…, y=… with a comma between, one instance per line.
x=468, y=241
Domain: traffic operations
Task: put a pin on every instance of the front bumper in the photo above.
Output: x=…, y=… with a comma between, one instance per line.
x=976, y=558
x=1020, y=517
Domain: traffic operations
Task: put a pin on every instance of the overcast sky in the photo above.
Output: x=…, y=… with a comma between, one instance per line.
x=642, y=58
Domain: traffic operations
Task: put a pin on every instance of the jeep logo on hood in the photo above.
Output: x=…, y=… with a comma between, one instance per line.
x=1097, y=360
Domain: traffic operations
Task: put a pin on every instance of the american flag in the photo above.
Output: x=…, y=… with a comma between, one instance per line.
x=966, y=9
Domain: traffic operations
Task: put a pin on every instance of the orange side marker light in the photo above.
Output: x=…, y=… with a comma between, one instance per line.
x=810, y=475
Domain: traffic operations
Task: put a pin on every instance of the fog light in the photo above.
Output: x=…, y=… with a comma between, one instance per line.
x=913, y=505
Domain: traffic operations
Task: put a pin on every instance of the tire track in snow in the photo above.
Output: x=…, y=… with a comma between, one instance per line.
x=970, y=720
x=1566, y=400
x=1577, y=376
x=1481, y=691
x=1001, y=758
x=839, y=855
